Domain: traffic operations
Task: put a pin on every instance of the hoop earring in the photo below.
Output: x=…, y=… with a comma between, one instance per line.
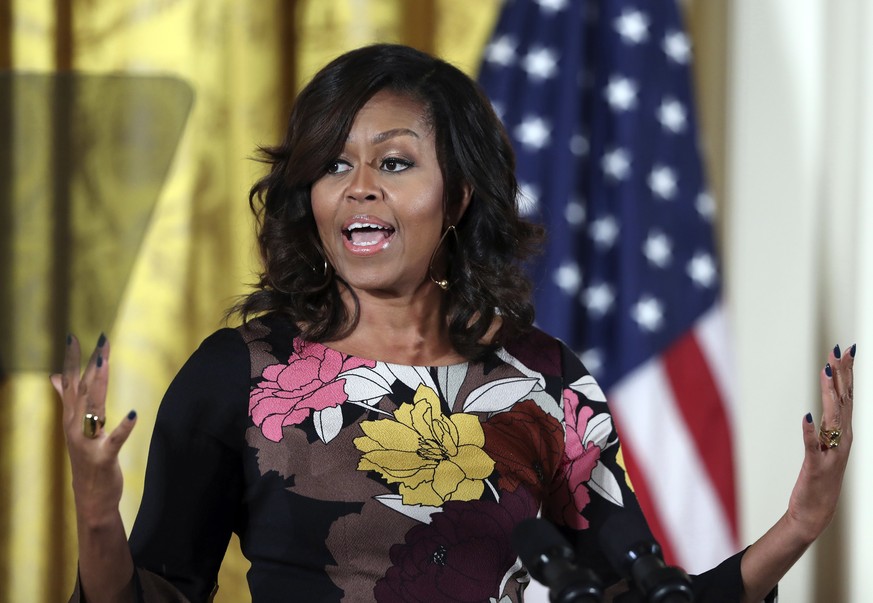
x=441, y=283
x=327, y=271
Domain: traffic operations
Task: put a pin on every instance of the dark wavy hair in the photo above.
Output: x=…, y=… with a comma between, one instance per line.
x=472, y=147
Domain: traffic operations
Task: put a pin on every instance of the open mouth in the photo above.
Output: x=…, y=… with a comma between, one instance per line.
x=367, y=234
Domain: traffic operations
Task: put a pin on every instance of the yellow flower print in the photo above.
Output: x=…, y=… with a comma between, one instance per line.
x=433, y=457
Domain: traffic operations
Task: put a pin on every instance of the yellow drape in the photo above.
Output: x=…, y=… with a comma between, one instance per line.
x=240, y=62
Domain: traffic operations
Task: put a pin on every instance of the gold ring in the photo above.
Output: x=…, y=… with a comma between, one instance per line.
x=829, y=438
x=91, y=424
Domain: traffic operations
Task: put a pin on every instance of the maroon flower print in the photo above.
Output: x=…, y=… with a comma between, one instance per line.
x=462, y=555
x=527, y=446
x=290, y=392
x=570, y=495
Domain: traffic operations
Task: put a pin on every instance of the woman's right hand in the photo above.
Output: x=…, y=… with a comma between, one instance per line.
x=97, y=478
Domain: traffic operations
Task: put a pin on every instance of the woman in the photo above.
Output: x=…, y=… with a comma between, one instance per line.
x=389, y=415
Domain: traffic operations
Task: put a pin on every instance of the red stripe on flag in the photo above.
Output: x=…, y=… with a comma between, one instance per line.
x=641, y=489
x=702, y=407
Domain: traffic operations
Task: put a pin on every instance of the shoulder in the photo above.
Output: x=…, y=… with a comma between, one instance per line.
x=269, y=339
x=538, y=350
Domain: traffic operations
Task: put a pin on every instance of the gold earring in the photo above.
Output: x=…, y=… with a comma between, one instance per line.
x=441, y=283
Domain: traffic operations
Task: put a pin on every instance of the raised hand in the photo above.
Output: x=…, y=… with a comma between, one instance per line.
x=105, y=564
x=817, y=490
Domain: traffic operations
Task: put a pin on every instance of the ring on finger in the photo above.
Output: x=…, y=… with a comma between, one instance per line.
x=92, y=424
x=829, y=438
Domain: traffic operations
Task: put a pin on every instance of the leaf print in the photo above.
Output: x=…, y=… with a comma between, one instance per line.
x=598, y=430
x=522, y=368
x=364, y=384
x=450, y=379
x=420, y=513
x=412, y=376
x=604, y=483
x=328, y=422
x=499, y=395
x=517, y=568
x=587, y=386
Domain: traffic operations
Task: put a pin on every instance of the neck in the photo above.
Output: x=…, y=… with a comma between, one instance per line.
x=403, y=330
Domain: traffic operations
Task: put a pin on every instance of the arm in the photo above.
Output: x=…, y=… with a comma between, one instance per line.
x=193, y=480
x=105, y=563
x=193, y=484
x=816, y=492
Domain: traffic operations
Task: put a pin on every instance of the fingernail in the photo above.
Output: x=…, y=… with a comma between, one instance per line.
x=809, y=417
x=828, y=370
x=837, y=351
x=131, y=415
x=852, y=351
x=102, y=340
x=99, y=361
x=69, y=338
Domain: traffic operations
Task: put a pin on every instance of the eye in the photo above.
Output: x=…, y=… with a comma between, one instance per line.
x=395, y=164
x=338, y=167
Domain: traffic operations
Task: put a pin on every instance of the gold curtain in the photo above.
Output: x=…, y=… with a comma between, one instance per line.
x=126, y=132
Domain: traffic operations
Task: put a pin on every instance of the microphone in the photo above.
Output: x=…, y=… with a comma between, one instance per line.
x=633, y=552
x=550, y=559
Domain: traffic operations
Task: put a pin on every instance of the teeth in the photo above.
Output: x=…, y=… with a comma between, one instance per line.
x=358, y=225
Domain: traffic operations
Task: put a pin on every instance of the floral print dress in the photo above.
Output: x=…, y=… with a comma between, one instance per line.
x=353, y=480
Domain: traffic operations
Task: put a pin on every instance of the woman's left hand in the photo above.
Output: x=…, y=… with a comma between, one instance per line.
x=817, y=490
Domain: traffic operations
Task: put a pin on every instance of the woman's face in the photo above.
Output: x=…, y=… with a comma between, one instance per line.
x=379, y=206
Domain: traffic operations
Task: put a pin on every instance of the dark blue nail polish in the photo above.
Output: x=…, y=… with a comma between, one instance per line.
x=852, y=351
x=69, y=339
x=828, y=370
x=837, y=351
x=809, y=417
x=131, y=415
x=102, y=341
x=99, y=361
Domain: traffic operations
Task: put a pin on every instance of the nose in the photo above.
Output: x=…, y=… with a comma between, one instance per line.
x=363, y=185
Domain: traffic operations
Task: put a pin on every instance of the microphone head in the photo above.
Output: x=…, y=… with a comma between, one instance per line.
x=624, y=537
x=538, y=542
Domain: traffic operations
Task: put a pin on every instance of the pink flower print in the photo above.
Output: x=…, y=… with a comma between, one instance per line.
x=570, y=495
x=289, y=393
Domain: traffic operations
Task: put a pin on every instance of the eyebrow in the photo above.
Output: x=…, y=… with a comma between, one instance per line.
x=388, y=134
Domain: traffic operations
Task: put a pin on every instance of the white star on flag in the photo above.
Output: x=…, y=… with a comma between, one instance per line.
x=578, y=145
x=616, y=164
x=672, y=115
x=657, y=249
x=633, y=27
x=568, y=277
x=705, y=205
x=574, y=213
x=621, y=93
x=604, y=231
x=501, y=51
x=552, y=6
x=540, y=64
x=677, y=47
x=648, y=312
x=534, y=133
x=702, y=270
x=593, y=360
x=662, y=181
x=598, y=298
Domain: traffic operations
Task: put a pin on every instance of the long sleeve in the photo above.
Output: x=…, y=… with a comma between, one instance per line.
x=193, y=486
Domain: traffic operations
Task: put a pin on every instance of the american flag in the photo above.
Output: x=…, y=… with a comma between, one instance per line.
x=596, y=96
